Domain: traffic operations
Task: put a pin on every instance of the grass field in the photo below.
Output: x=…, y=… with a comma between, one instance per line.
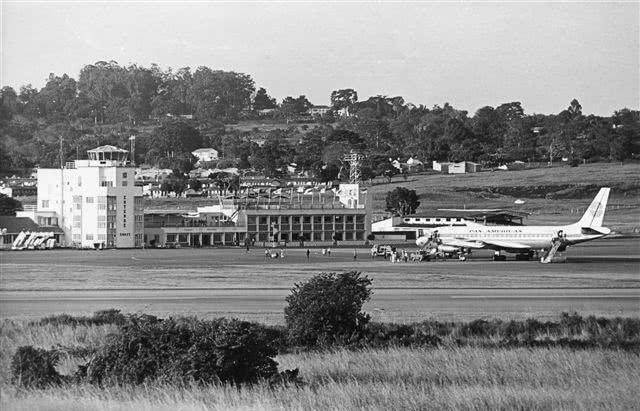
x=395, y=378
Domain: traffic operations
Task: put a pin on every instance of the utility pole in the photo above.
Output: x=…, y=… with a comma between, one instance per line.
x=61, y=154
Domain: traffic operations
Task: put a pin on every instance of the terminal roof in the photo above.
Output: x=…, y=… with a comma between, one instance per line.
x=107, y=149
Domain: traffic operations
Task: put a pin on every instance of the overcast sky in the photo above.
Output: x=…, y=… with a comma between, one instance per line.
x=467, y=54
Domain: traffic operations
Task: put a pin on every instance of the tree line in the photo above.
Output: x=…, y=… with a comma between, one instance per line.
x=173, y=112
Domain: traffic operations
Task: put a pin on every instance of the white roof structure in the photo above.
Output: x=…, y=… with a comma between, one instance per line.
x=204, y=150
x=107, y=149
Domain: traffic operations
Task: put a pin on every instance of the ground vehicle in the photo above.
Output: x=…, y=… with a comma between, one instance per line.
x=382, y=250
x=420, y=255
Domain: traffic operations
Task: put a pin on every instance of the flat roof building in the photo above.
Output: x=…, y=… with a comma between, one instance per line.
x=95, y=202
x=318, y=217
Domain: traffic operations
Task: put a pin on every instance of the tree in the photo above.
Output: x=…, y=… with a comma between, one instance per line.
x=220, y=94
x=295, y=106
x=195, y=184
x=174, y=183
x=9, y=206
x=8, y=104
x=401, y=201
x=176, y=138
x=263, y=101
x=327, y=308
x=274, y=156
x=384, y=168
x=344, y=99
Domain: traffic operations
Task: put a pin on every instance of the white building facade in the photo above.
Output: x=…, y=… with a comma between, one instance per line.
x=96, y=202
x=206, y=154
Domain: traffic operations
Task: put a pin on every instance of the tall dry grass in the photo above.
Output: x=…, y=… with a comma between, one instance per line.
x=445, y=378
x=471, y=378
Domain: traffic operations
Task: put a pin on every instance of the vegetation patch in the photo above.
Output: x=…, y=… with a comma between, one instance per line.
x=35, y=367
x=327, y=309
x=184, y=350
x=102, y=317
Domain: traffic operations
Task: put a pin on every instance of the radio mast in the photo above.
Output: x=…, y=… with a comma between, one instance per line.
x=355, y=162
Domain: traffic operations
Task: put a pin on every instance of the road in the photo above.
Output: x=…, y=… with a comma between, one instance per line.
x=601, y=278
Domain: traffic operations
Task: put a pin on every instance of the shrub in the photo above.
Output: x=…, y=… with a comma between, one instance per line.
x=102, y=317
x=327, y=309
x=34, y=367
x=183, y=350
x=379, y=335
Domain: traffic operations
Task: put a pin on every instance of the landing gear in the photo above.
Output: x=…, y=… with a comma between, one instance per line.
x=499, y=257
x=524, y=257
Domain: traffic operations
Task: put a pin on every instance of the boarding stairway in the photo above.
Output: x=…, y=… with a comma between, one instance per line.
x=557, y=244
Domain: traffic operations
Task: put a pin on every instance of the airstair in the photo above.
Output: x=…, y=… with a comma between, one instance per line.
x=557, y=244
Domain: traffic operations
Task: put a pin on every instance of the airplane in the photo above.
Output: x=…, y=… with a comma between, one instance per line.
x=524, y=241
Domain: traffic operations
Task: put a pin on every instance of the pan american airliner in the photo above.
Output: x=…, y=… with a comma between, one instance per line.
x=524, y=241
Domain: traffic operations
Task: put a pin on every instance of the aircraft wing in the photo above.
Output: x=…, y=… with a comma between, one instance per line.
x=508, y=245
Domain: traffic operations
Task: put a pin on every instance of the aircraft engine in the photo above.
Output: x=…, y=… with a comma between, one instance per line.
x=447, y=248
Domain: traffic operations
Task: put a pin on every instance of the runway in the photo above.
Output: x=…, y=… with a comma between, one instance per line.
x=396, y=304
x=602, y=278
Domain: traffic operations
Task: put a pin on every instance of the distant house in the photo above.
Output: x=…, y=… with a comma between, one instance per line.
x=441, y=166
x=472, y=167
x=516, y=165
x=266, y=112
x=19, y=187
x=152, y=174
x=463, y=167
x=206, y=154
x=414, y=163
x=319, y=110
x=344, y=112
x=457, y=168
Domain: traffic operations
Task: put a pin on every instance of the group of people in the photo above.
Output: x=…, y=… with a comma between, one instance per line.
x=393, y=254
x=274, y=253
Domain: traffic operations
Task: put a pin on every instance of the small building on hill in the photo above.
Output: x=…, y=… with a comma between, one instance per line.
x=464, y=167
x=319, y=110
x=442, y=166
x=206, y=154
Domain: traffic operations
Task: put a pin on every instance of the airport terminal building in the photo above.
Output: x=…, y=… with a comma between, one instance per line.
x=290, y=216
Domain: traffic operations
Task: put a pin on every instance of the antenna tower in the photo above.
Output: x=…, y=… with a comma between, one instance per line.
x=355, y=162
x=132, y=141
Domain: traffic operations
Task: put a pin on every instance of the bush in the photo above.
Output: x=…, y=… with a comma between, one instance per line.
x=102, y=317
x=380, y=335
x=182, y=351
x=35, y=367
x=327, y=309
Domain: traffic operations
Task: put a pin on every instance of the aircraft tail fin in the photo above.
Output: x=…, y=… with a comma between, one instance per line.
x=594, y=215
